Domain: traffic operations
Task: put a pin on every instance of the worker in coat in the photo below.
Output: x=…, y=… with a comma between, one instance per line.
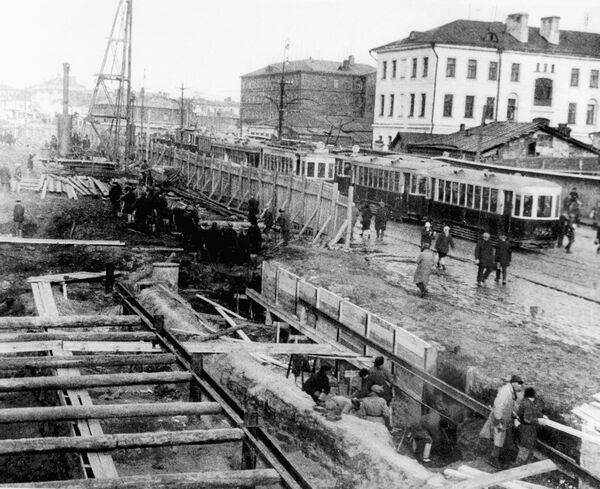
x=318, y=383
x=500, y=420
x=374, y=408
x=484, y=258
x=378, y=375
x=528, y=421
x=283, y=221
x=443, y=243
x=425, y=264
x=381, y=218
x=427, y=235
x=19, y=218
x=502, y=258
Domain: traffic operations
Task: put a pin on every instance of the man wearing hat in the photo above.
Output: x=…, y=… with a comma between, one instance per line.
x=500, y=421
x=283, y=221
x=374, y=408
x=484, y=258
x=19, y=218
x=381, y=217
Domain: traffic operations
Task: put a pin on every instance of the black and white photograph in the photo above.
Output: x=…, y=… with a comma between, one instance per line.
x=300, y=244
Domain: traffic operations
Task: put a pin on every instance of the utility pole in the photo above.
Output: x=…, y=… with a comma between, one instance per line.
x=182, y=88
x=282, y=93
x=142, y=97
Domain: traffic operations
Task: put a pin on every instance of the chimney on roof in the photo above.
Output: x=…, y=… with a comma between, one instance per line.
x=549, y=29
x=351, y=60
x=564, y=129
x=348, y=63
x=517, y=26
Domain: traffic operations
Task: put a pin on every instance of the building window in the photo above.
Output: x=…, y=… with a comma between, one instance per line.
x=472, y=69
x=382, y=106
x=511, y=109
x=493, y=72
x=423, y=102
x=489, y=107
x=384, y=70
x=514, y=72
x=543, y=92
x=336, y=83
x=537, y=67
x=391, y=105
x=425, y=66
x=594, y=79
x=448, y=105
x=571, y=116
x=414, y=68
x=324, y=82
x=394, y=65
x=552, y=68
x=402, y=68
x=411, y=111
x=450, y=67
x=590, y=116
x=575, y=77
x=469, y=103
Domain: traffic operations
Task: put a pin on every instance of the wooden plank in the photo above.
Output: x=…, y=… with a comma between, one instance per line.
x=307, y=223
x=516, y=473
x=349, y=210
x=339, y=234
x=82, y=321
x=466, y=472
x=69, y=413
x=19, y=384
x=571, y=431
x=322, y=230
x=81, y=242
x=255, y=347
x=113, y=336
x=231, y=479
x=84, y=346
x=17, y=363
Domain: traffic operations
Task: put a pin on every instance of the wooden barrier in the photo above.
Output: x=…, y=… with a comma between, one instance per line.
x=231, y=183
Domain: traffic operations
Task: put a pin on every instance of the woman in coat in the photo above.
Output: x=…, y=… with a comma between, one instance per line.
x=425, y=263
x=443, y=243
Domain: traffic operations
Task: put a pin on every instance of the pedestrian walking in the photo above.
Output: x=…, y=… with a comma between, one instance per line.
x=502, y=257
x=427, y=235
x=528, y=416
x=443, y=243
x=365, y=217
x=381, y=217
x=484, y=258
x=499, y=424
x=561, y=229
x=570, y=233
x=283, y=221
x=425, y=264
x=19, y=218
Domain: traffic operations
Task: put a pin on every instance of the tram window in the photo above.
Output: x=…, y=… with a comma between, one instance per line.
x=406, y=182
x=462, y=192
x=485, y=201
x=469, y=195
x=330, y=171
x=397, y=181
x=494, y=200
x=440, y=196
x=338, y=167
x=544, y=206
x=448, y=191
x=477, y=200
x=303, y=168
x=422, y=185
x=362, y=175
x=370, y=177
x=455, y=193
x=347, y=168
x=517, y=211
x=310, y=169
x=527, y=205
x=386, y=180
x=413, y=184
x=321, y=171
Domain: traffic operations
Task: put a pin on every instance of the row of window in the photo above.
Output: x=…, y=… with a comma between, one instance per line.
x=489, y=108
x=466, y=195
x=403, y=66
x=590, y=113
x=594, y=75
x=412, y=104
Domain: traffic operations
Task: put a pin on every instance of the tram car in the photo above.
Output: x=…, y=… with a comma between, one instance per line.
x=470, y=201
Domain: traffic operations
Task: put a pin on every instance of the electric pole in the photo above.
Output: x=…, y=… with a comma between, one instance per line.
x=282, y=93
x=182, y=88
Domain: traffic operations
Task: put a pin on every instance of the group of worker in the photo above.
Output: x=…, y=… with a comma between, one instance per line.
x=366, y=217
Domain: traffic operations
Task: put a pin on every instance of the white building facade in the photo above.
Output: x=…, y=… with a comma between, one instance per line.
x=433, y=82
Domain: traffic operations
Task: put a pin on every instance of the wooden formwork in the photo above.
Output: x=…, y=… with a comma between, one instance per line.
x=315, y=207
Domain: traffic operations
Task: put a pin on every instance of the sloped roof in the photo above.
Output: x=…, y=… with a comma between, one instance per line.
x=475, y=33
x=493, y=135
x=315, y=66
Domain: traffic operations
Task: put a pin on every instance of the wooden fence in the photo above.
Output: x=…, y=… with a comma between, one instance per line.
x=315, y=207
x=323, y=310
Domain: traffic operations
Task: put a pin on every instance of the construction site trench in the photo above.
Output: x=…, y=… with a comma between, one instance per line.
x=351, y=453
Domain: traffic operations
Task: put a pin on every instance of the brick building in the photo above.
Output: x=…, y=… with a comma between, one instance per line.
x=323, y=100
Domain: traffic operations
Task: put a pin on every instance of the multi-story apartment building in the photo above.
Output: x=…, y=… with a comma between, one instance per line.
x=466, y=71
x=318, y=96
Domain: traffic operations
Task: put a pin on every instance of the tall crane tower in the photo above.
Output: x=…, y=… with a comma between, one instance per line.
x=111, y=108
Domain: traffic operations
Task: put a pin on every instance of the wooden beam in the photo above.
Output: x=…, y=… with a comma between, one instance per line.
x=17, y=363
x=349, y=210
x=231, y=479
x=40, y=241
x=322, y=230
x=67, y=413
x=68, y=322
x=89, y=346
x=465, y=472
x=89, y=381
x=78, y=336
x=339, y=234
x=254, y=347
x=571, y=431
x=307, y=223
x=516, y=473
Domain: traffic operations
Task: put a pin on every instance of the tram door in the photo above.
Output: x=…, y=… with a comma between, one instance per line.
x=508, y=207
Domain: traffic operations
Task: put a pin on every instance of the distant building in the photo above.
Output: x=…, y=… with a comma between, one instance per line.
x=434, y=81
x=323, y=100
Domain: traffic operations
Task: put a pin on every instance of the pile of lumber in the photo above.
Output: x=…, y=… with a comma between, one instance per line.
x=508, y=479
x=72, y=186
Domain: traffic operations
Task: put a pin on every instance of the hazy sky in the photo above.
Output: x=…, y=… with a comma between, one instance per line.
x=209, y=44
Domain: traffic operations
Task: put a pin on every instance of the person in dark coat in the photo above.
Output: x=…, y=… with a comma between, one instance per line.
x=318, y=383
x=4, y=179
x=528, y=415
x=128, y=200
x=365, y=217
x=114, y=194
x=283, y=221
x=427, y=235
x=268, y=221
x=484, y=258
x=443, y=243
x=378, y=375
x=229, y=245
x=381, y=217
x=142, y=208
x=19, y=218
x=253, y=209
x=254, y=239
x=502, y=258
x=30, y=163
x=425, y=263
x=561, y=229
x=570, y=233
x=212, y=242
